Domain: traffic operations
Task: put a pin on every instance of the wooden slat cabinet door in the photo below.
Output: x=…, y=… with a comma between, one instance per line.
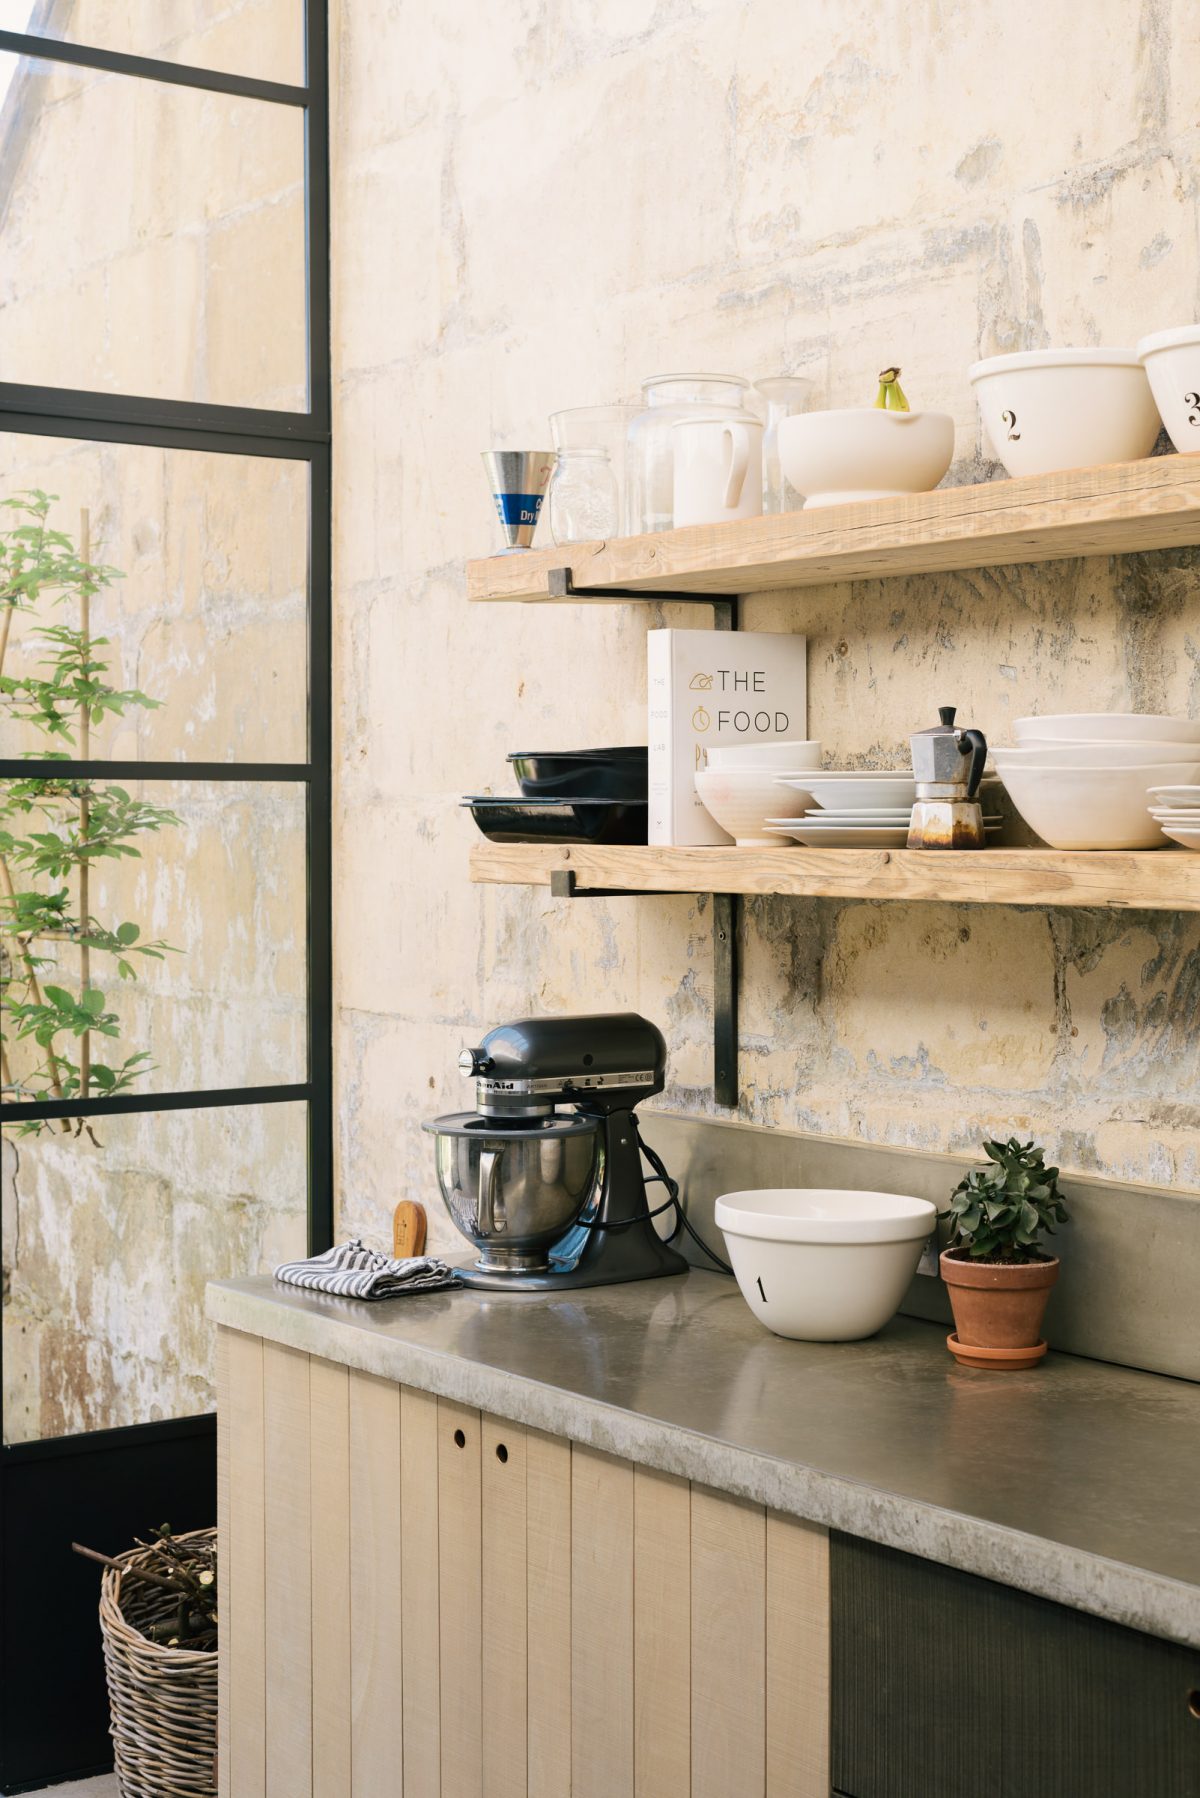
x=949, y=1686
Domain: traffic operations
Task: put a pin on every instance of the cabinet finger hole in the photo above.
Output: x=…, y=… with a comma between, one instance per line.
x=460, y=1438
x=502, y=1455
x=1194, y=1703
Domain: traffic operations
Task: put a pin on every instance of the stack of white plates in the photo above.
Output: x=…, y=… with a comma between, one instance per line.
x=1082, y=780
x=855, y=808
x=1176, y=810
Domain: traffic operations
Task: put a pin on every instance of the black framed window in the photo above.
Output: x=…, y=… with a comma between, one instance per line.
x=164, y=372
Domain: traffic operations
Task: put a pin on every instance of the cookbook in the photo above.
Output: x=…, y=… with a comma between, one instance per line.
x=706, y=687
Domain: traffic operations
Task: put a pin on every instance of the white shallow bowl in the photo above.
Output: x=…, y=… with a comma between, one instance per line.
x=1188, y=839
x=868, y=792
x=1092, y=755
x=1092, y=808
x=1183, y=795
x=1171, y=360
x=860, y=452
x=823, y=1265
x=1107, y=727
x=740, y=799
x=784, y=758
x=1049, y=409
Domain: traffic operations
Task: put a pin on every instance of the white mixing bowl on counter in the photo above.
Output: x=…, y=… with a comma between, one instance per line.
x=820, y=1264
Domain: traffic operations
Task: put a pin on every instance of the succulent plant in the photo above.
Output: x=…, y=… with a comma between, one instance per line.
x=999, y=1212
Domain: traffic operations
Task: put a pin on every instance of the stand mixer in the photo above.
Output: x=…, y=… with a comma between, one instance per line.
x=556, y=1199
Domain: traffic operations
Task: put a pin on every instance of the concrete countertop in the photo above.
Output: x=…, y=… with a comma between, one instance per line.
x=1077, y=1480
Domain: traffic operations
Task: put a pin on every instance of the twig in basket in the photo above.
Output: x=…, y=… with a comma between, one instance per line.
x=151, y=1579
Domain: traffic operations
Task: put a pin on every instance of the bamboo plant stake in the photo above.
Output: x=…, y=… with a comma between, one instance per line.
x=85, y=722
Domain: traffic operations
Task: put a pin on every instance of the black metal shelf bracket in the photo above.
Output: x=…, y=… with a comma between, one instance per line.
x=564, y=884
x=560, y=584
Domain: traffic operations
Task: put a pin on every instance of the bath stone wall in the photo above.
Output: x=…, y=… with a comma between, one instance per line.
x=108, y=1245
x=539, y=207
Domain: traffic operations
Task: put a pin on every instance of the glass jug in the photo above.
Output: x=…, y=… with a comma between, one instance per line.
x=650, y=460
x=785, y=396
x=584, y=496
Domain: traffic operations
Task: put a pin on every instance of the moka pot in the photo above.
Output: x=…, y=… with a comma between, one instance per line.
x=948, y=765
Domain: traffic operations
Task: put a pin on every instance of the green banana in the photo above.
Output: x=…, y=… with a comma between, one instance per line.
x=890, y=397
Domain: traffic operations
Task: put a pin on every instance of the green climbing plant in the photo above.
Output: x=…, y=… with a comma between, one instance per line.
x=57, y=959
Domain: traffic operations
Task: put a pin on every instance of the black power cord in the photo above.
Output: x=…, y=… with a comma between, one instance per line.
x=660, y=1177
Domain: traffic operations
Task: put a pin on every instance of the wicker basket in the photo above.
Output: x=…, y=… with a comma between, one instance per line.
x=163, y=1700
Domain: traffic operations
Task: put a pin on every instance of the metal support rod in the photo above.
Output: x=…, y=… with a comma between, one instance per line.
x=725, y=999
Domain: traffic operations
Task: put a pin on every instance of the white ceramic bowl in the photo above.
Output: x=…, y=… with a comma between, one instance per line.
x=868, y=793
x=1093, y=808
x=1050, y=409
x=1183, y=794
x=861, y=452
x=1091, y=755
x=782, y=758
x=742, y=799
x=1107, y=727
x=820, y=1264
x=1171, y=360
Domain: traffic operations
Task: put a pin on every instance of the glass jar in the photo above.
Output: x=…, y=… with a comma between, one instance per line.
x=785, y=396
x=584, y=496
x=650, y=459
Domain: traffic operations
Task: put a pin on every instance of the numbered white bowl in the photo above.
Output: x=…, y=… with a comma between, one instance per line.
x=820, y=1264
x=1050, y=409
x=741, y=800
x=1107, y=727
x=1171, y=360
x=861, y=453
x=781, y=758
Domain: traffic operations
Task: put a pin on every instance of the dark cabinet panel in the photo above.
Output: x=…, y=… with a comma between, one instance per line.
x=949, y=1686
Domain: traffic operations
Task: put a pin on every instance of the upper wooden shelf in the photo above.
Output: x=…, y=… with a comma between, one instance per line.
x=1115, y=510
x=1146, y=879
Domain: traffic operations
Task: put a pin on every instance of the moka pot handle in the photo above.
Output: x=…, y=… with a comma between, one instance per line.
x=974, y=744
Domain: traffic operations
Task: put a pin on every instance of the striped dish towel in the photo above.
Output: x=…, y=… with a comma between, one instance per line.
x=359, y=1273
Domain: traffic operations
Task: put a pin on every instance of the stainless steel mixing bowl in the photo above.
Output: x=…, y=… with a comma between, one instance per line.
x=515, y=1191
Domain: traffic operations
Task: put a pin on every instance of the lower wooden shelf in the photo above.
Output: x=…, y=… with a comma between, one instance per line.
x=1146, y=879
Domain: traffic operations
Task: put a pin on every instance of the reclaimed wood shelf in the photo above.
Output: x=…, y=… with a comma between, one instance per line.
x=1114, y=510
x=1144, y=879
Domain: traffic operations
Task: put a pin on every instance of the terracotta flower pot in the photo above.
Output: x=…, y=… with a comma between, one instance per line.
x=998, y=1308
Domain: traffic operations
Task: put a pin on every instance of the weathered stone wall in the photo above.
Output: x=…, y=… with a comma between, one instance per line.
x=152, y=240
x=538, y=206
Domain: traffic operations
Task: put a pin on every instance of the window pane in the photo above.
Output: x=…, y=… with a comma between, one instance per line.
x=151, y=238
x=107, y=1250
x=240, y=37
x=196, y=954
x=204, y=603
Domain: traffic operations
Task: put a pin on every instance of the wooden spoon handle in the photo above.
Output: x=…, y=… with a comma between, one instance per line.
x=408, y=1229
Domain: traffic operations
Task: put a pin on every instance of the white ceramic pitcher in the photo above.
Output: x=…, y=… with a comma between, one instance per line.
x=718, y=468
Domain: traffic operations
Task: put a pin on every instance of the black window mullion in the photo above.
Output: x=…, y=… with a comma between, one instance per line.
x=152, y=68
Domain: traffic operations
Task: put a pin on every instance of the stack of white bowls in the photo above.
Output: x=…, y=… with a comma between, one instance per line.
x=740, y=786
x=1082, y=780
x=1177, y=812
